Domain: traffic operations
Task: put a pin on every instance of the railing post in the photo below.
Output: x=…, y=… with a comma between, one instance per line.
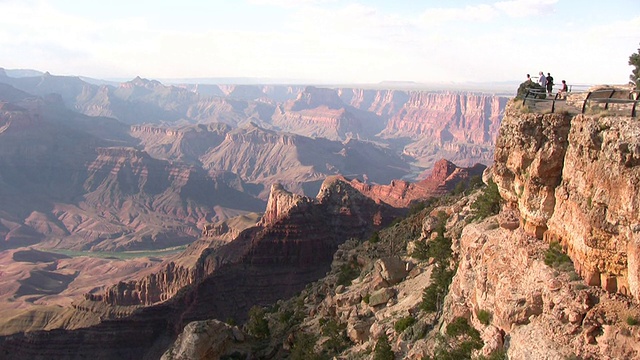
x=584, y=104
x=606, y=105
x=553, y=104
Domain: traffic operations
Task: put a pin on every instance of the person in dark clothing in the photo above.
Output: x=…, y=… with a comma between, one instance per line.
x=549, y=83
x=562, y=93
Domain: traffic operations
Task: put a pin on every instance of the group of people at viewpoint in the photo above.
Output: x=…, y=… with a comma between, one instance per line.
x=547, y=83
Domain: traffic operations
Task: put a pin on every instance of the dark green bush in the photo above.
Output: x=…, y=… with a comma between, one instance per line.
x=632, y=321
x=366, y=298
x=439, y=249
x=337, y=334
x=402, y=324
x=556, y=258
x=382, y=350
x=348, y=272
x=484, y=317
x=257, y=325
x=304, y=347
x=488, y=203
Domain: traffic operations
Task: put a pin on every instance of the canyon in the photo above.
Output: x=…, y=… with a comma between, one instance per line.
x=114, y=199
x=295, y=201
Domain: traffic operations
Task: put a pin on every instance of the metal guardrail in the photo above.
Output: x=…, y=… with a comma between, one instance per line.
x=606, y=96
x=535, y=95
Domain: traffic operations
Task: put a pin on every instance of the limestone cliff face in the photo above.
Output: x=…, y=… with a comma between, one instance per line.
x=446, y=117
x=576, y=179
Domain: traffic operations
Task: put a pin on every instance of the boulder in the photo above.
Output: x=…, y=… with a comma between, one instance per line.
x=381, y=296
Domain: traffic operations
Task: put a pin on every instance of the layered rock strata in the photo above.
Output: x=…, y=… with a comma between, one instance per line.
x=576, y=180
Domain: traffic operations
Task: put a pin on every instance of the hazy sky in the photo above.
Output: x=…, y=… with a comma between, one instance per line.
x=324, y=40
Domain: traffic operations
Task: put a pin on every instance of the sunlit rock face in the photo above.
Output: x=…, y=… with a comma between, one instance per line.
x=576, y=179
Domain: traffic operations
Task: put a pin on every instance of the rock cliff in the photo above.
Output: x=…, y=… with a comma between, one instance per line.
x=575, y=180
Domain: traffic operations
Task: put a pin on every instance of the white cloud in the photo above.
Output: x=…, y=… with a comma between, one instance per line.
x=481, y=12
x=526, y=8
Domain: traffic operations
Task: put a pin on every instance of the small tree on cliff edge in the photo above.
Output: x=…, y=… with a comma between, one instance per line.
x=634, y=60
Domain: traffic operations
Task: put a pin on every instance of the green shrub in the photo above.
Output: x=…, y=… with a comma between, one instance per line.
x=632, y=321
x=475, y=182
x=402, y=324
x=484, y=317
x=382, y=350
x=420, y=250
x=556, y=258
x=285, y=316
x=459, y=188
x=496, y=355
x=433, y=295
x=488, y=203
x=375, y=238
x=439, y=249
x=257, y=325
x=348, y=272
x=337, y=334
x=460, y=341
x=304, y=347
x=366, y=298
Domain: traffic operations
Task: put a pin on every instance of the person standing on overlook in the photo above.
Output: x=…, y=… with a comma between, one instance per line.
x=549, y=84
x=542, y=80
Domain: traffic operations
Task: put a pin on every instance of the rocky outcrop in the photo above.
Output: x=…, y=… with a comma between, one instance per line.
x=528, y=164
x=200, y=340
x=575, y=179
x=443, y=178
x=535, y=312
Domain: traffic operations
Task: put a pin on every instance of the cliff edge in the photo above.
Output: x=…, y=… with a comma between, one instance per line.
x=576, y=180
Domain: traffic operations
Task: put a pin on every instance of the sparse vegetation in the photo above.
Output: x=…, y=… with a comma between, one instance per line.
x=402, y=324
x=304, y=347
x=348, y=272
x=488, y=203
x=366, y=298
x=382, y=350
x=375, y=238
x=257, y=325
x=338, y=340
x=484, y=316
x=460, y=341
x=496, y=355
x=556, y=258
x=439, y=249
x=632, y=321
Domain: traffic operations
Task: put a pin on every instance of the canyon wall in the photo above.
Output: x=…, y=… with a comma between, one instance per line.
x=576, y=180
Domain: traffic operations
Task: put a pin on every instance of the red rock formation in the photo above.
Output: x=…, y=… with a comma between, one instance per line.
x=444, y=177
x=292, y=231
x=448, y=117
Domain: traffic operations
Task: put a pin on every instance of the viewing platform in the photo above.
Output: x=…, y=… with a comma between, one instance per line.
x=603, y=100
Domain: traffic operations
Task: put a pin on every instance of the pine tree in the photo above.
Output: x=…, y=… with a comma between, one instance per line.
x=634, y=60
